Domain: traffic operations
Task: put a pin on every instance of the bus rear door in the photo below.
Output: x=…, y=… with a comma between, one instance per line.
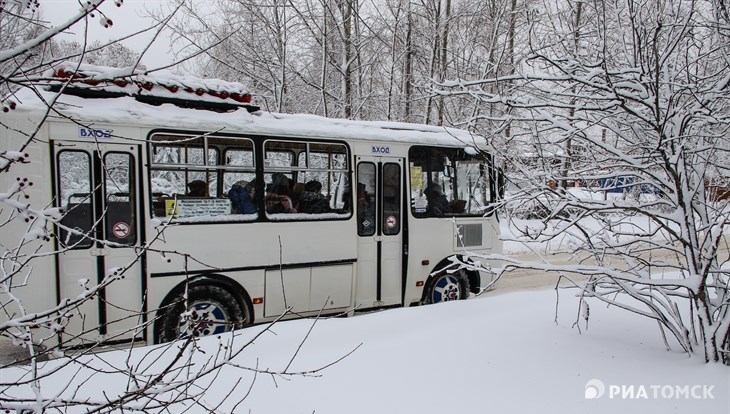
x=97, y=185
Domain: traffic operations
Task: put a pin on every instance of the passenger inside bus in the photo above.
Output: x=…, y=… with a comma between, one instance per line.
x=438, y=205
x=313, y=202
x=277, y=195
x=458, y=206
x=197, y=188
x=296, y=195
x=242, y=195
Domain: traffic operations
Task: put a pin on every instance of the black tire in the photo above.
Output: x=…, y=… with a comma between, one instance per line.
x=447, y=287
x=213, y=310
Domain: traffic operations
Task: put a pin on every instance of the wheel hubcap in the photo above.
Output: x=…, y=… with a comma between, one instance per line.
x=446, y=289
x=204, y=318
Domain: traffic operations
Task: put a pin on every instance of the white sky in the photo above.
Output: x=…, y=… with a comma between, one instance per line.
x=127, y=19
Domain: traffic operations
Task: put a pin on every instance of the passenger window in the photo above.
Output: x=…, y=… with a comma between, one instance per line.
x=281, y=154
x=306, y=181
x=239, y=157
x=203, y=179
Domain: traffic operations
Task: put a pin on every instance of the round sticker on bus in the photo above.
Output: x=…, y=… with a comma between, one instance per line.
x=121, y=230
x=390, y=222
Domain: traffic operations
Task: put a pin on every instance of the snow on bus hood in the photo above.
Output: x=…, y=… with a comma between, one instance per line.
x=128, y=111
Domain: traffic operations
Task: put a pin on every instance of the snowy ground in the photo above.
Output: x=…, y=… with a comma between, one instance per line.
x=502, y=354
x=492, y=354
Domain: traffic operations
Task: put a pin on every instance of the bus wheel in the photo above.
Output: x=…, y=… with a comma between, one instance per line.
x=211, y=310
x=446, y=287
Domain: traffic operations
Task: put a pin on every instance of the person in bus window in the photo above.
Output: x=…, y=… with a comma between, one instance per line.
x=296, y=195
x=313, y=202
x=277, y=195
x=197, y=188
x=438, y=205
x=242, y=198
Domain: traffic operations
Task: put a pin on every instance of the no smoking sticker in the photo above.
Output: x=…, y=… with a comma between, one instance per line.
x=121, y=230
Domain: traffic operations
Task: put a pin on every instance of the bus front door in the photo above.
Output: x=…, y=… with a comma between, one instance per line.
x=380, y=231
x=97, y=186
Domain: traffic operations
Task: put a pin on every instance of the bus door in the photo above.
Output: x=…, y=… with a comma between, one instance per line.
x=380, y=216
x=97, y=186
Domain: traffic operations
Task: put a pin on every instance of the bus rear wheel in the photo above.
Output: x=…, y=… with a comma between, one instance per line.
x=211, y=310
x=447, y=287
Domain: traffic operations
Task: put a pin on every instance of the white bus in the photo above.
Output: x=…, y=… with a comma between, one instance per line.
x=244, y=213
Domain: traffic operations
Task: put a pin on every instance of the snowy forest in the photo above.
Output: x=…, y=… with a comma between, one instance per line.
x=610, y=120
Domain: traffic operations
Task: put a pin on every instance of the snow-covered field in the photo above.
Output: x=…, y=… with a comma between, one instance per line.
x=491, y=354
x=499, y=354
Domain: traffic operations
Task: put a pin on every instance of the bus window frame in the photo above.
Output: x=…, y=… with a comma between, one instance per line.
x=219, y=169
x=293, y=170
x=259, y=169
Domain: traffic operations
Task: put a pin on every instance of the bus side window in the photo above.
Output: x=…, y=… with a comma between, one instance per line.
x=203, y=179
x=310, y=179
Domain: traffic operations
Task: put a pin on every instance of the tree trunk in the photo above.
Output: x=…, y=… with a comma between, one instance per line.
x=408, y=70
x=511, y=52
x=281, y=40
x=434, y=61
x=444, y=51
x=346, y=12
x=325, y=51
x=567, y=148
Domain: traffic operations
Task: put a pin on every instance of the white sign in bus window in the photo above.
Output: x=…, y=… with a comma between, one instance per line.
x=195, y=207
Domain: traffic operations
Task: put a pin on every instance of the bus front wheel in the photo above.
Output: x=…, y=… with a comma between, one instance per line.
x=211, y=310
x=447, y=287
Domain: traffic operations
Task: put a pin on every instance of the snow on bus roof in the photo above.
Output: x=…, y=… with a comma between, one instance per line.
x=102, y=81
x=98, y=97
x=125, y=110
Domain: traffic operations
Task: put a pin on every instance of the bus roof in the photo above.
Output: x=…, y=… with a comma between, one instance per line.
x=125, y=110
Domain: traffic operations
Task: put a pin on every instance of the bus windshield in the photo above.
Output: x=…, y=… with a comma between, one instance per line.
x=449, y=182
